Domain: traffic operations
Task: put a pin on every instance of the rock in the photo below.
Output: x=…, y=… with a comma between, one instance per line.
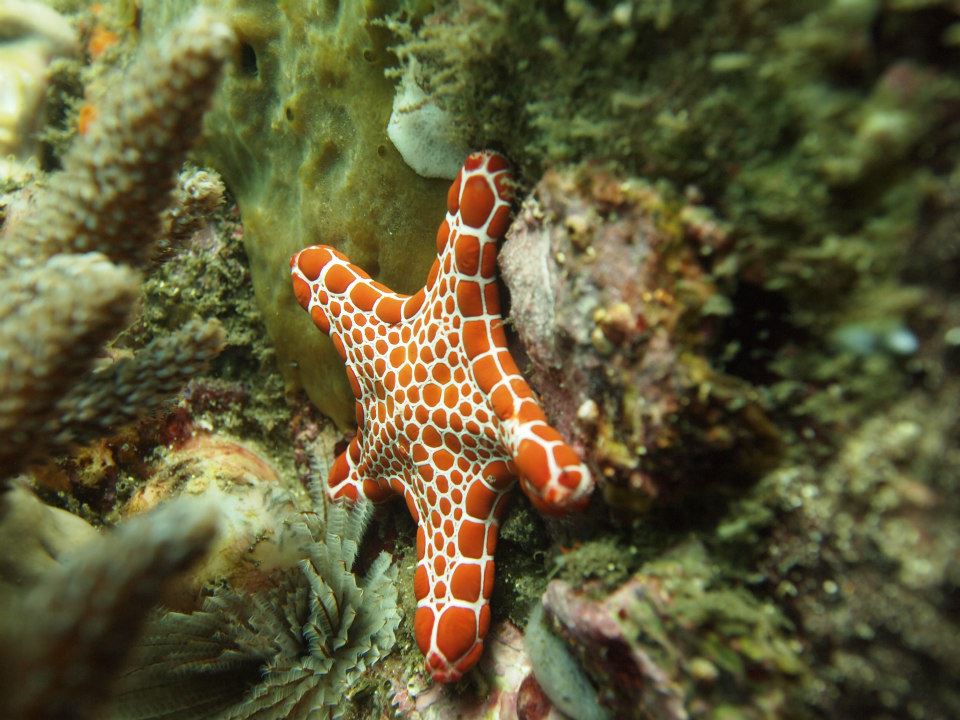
x=617, y=313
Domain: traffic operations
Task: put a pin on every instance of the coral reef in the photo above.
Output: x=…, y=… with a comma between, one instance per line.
x=88, y=298
x=116, y=183
x=806, y=277
x=65, y=262
x=738, y=249
x=299, y=134
x=294, y=649
x=64, y=642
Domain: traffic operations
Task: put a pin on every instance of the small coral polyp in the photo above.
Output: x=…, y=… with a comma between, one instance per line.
x=444, y=417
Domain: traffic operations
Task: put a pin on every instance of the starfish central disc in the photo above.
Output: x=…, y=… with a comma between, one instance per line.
x=444, y=417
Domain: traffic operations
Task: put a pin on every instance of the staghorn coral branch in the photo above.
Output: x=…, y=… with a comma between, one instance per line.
x=133, y=387
x=71, y=634
x=117, y=181
x=63, y=289
x=53, y=319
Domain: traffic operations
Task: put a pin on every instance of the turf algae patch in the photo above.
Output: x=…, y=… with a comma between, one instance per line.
x=298, y=132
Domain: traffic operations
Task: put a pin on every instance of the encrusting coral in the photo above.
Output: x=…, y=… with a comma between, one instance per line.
x=67, y=277
x=445, y=419
x=63, y=643
x=292, y=650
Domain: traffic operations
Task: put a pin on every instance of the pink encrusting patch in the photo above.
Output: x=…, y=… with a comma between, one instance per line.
x=445, y=419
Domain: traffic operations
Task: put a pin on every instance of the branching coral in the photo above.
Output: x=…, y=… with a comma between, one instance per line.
x=33, y=539
x=135, y=385
x=64, y=640
x=53, y=318
x=66, y=274
x=116, y=183
x=292, y=650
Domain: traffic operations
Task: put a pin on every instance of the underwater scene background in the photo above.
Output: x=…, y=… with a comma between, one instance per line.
x=727, y=375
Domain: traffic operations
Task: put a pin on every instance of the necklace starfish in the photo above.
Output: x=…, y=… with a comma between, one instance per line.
x=444, y=417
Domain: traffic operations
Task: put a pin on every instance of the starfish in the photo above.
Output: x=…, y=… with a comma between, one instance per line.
x=444, y=417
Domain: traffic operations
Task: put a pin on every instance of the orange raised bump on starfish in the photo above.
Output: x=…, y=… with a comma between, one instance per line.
x=444, y=417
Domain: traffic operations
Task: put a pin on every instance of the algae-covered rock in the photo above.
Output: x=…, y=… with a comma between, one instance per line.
x=612, y=300
x=298, y=132
x=678, y=641
x=866, y=558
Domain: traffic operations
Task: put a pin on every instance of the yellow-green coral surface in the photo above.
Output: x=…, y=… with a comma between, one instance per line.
x=299, y=134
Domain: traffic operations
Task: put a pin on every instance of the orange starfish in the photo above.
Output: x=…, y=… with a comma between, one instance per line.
x=444, y=417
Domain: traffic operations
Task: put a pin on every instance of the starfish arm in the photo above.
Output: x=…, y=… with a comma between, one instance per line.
x=329, y=287
x=455, y=566
x=478, y=205
x=344, y=480
x=450, y=624
x=335, y=293
x=350, y=478
x=551, y=472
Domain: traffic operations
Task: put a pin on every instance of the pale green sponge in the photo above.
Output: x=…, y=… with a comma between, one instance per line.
x=298, y=132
